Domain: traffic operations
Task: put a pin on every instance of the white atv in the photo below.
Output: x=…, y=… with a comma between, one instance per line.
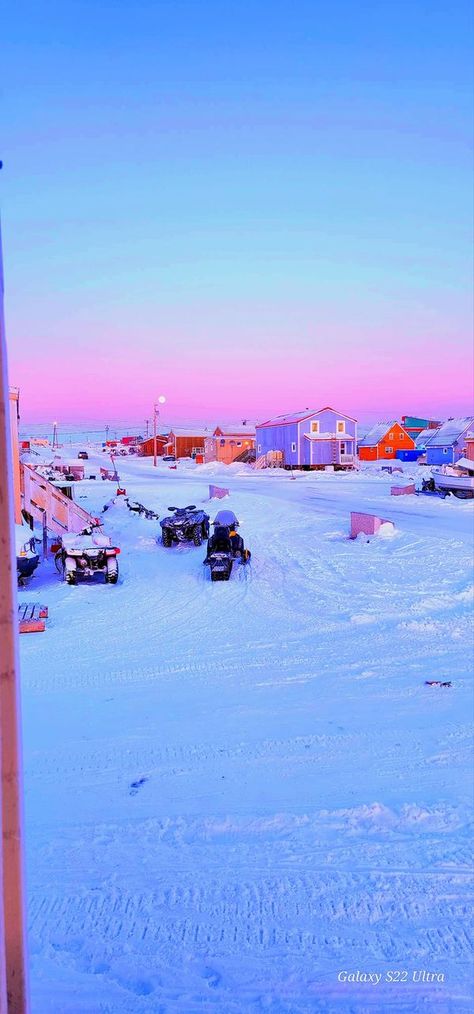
x=87, y=554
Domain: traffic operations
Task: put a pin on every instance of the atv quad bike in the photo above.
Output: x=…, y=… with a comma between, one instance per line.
x=87, y=554
x=185, y=524
x=225, y=546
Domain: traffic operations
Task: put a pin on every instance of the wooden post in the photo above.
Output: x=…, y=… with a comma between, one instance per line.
x=45, y=537
x=13, y=959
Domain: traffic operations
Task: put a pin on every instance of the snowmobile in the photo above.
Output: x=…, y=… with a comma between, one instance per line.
x=87, y=554
x=186, y=524
x=429, y=487
x=27, y=558
x=225, y=546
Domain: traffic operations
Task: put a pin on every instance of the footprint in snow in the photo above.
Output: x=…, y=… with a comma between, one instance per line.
x=213, y=978
x=135, y=786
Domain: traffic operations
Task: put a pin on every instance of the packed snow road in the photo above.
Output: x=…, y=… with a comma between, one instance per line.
x=239, y=794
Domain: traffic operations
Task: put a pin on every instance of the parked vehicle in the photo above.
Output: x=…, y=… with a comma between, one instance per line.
x=84, y=455
x=457, y=479
x=169, y=457
x=225, y=546
x=87, y=554
x=185, y=524
x=27, y=558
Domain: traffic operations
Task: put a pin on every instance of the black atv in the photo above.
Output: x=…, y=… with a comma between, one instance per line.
x=225, y=546
x=186, y=524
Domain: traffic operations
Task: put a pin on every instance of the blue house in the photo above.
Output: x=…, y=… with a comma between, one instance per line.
x=448, y=443
x=309, y=439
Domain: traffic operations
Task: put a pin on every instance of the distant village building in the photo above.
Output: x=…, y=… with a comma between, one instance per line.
x=383, y=441
x=308, y=439
x=470, y=448
x=423, y=439
x=229, y=444
x=129, y=441
x=414, y=426
x=449, y=442
x=147, y=448
x=185, y=443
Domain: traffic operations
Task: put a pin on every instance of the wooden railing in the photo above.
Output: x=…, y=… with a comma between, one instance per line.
x=47, y=504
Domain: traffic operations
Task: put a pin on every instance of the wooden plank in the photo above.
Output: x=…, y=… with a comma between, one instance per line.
x=32, y=626
x=32, y=617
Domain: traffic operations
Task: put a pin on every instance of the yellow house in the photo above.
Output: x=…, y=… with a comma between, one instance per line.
x=14, y=399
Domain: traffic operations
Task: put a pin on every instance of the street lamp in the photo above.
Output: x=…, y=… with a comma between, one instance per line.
x=156, y=412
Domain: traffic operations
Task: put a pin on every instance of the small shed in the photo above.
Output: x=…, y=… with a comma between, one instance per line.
x=449, y=442
x=383, y=441
x=409, y=455
x=227, y=443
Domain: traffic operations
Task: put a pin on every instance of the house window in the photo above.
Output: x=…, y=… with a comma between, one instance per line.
x=293, y=448
x=445, y=450
x=389, y=450
x=315, y=426
x=401, y=436
x=239, y=443
x=390, y=436
x=343, y=447
x=340, y=426
x=259, y=448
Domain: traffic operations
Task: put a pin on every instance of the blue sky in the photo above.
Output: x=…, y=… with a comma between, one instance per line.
x=291, y=181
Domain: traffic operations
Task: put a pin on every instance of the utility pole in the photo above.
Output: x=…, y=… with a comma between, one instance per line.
x=147, y=423
x=13, y=955
x=156, y=413
x=55, y=442
x=107, y=433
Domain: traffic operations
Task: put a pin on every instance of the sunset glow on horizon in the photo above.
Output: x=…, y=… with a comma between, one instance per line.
x=249, y=214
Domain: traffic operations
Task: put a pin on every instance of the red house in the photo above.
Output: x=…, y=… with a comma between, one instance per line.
x=184, y=443
x=383, y=441
x=147, y=448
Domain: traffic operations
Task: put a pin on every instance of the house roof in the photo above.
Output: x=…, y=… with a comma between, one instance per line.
x=451, y=431
x=425, y=437
x=178, y=431
x=296, y=417
x=230, y=431
x=377, y=433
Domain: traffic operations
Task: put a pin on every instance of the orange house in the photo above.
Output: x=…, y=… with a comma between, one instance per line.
x=227, y=445
x=383, y=441
x=470, y=448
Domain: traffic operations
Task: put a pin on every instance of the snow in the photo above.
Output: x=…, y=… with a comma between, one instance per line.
x=236, y=791
x=451, y=431
x=377, y=433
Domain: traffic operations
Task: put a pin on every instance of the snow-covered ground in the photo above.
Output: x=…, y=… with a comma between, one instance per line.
x=235, y=792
